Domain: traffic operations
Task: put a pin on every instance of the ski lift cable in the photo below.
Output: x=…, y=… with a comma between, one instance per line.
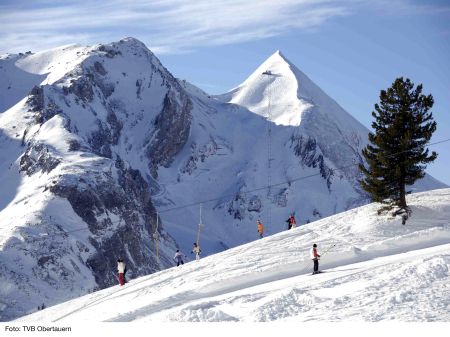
x=200, y=225
x=156, y=238
x=246, y=192
x=283, y=182
x=230, y=195
x=269, y=150
x=226, y=196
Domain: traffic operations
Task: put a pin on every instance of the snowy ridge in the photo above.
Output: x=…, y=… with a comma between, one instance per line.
x=375, y=269
x=22, y=72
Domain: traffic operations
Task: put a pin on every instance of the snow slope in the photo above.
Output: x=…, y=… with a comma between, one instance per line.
x=375, y=269
x=22, y=72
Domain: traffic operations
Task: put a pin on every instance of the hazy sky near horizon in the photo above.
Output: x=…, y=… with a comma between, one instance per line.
x=350, y=48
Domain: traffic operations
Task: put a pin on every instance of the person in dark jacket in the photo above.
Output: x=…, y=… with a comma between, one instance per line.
x=179, y=257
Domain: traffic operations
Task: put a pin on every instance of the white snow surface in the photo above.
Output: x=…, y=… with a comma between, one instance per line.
x=375, y=269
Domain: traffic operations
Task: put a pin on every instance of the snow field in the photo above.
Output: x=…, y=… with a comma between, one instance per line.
x=376, y=270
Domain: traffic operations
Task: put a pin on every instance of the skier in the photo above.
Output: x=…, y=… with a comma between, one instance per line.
x=291, y=222
x=121, y=270
x=315, y=257
x=179, y=257
x=197, y=251
x=260, y=229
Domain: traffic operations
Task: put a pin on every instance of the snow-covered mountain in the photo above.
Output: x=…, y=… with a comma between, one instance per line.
x=294, y=99
x=78, y=153
x=95, y=142
x=226, y=159
x=376, y=269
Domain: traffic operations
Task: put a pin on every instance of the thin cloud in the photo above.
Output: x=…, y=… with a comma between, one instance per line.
x=170, y=26
x=408, y=7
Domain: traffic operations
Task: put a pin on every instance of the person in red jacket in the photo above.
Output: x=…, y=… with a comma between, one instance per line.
x=291, y=222
x=315, y=257
x=121, y=268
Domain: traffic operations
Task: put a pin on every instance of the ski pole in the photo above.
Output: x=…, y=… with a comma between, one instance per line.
x=329, y=248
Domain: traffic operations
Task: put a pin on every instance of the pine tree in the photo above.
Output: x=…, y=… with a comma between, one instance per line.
x=396, y=156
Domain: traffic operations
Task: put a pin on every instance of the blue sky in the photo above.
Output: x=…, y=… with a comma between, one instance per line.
x=350, y=48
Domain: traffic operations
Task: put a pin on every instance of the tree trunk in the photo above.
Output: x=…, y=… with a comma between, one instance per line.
x=402, y=187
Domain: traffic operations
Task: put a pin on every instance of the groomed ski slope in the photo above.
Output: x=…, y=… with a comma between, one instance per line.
x=376, y=269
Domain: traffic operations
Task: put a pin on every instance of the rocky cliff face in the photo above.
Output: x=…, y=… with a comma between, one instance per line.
x=171, y=131
x=126, y=199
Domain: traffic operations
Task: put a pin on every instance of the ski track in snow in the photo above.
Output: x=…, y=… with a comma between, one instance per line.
x=377, y=270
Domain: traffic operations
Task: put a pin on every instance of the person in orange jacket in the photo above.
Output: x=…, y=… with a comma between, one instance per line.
x=260, y=229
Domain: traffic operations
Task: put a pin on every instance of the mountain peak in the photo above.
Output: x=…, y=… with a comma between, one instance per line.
x=128, y=45
x=292, y=96
x=131, y=41
x=276, y=61
x=279, y=54
x=274, y=82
